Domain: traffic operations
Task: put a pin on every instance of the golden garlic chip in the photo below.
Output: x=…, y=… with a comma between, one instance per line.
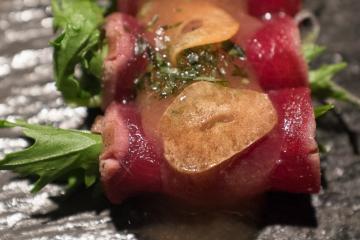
x=192, y=23
x=210, y=25
x=207, y=124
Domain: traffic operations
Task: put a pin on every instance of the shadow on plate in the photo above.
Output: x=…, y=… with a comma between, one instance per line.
x=159, y=219
x=154, y=217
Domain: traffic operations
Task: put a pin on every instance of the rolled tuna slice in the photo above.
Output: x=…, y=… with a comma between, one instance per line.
x=130, y=7
x=129, y=164
x=298, y=168
x=274, y=56
x=283, y=159
x=259, y=8
x=123, y=64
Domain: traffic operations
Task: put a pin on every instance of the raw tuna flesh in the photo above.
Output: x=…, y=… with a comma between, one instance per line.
x=129, y=164
x=259, y=8
x=130, y=7
x=298, y=169
x=274, y=57
x=122, y=64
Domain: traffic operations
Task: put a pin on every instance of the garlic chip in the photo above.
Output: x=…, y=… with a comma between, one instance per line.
x=208, y=124
x=190, y=23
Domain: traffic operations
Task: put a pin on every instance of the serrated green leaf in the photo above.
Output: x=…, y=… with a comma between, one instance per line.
x=323, y=87
x=56, y=154
x=80, y=42
x=325, y=73
x=321, y=80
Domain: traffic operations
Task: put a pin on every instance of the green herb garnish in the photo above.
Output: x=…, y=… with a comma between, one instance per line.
x=57, y=154
x=322, y=110
x=323, y=87
x=311, y=51
x=234, y=50
x=78, y=47
x=197, y=64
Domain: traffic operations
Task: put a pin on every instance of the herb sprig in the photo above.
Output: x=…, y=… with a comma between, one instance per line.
x=78, y=44
x=70, y=155
x=323, y=87
x=197, y=64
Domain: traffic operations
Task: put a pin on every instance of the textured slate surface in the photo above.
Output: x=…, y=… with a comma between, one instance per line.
x=27, y=91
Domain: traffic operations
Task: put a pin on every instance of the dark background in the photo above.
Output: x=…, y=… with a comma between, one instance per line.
x=27, y=91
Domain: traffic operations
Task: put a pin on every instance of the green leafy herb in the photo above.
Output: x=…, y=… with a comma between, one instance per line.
x=79, y=44
x=323, y=86
x=234, y=50
x=56, y=154
x=321, y=80
x=197, y=64
x=311, y=51
x=322, y=110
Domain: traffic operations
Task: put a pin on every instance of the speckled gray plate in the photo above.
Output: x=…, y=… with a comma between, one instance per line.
x=27, y=91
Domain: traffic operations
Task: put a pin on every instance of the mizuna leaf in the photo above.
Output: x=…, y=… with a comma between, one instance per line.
x=56, y=154
x=323, y=87
x=78, y=44
x=322, y=84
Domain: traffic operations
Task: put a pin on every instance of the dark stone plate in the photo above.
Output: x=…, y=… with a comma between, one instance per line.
x=27, y=91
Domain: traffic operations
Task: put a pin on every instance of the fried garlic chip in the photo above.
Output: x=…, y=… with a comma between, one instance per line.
x=208, y=124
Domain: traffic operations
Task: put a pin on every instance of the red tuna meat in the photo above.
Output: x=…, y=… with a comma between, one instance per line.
x=122, y=65
x=129, y=165
x=274, y=56
x=298, y=169
x=128, y=6
x=259, y=8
